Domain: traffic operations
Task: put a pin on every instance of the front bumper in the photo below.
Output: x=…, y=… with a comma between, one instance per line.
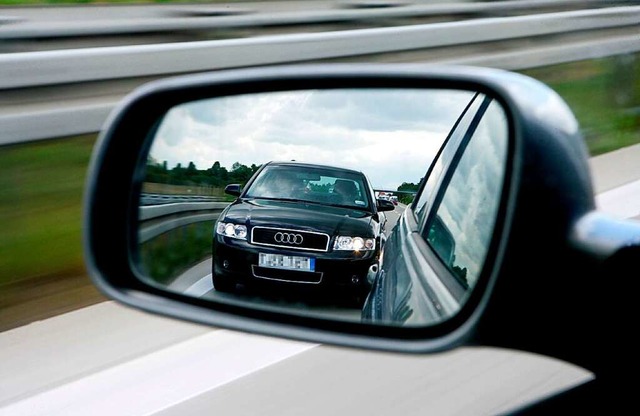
x=345, y=271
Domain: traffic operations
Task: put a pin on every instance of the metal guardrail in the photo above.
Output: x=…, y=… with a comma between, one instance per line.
x=158, y=219
x=69, y=67
x=155, y=220
x=552, y=55
x=147, y=199
x=31, y=69
x=151, y=212
x=247, y=19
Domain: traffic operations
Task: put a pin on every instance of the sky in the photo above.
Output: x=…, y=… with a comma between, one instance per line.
x=391, y=135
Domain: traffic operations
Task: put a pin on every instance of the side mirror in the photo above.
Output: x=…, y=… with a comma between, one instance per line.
x=501, y=245
x=385, y=205
x=232, y=189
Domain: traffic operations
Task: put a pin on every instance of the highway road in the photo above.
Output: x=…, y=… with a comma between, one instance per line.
x=108, y=359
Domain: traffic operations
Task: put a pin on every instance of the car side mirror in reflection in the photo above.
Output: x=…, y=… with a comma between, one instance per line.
x=384, y=205
x=496, y=207
x=233, y=189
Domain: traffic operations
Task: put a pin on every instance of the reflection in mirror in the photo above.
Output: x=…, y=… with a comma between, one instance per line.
x=303, y=201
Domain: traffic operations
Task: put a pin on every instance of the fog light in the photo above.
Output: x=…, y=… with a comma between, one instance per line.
x=355, y=279
x=372, y=273
x=225, y=264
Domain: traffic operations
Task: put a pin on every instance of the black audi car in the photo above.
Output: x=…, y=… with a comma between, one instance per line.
x=300, y=225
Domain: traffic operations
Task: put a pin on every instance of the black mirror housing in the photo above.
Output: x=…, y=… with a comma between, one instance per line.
x=385, y=205
x=547, y=191
x=233, y=189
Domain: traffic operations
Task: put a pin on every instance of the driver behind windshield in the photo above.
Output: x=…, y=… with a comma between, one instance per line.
x=279, y=184
x=287, y=185
x=329, y=186
x=346, y=191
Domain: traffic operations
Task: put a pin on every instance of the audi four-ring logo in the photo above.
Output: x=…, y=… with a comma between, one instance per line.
x=288, y=238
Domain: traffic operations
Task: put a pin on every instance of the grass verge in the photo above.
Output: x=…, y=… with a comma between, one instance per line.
x=604, y=95
x=41, y=188
x=172, y=253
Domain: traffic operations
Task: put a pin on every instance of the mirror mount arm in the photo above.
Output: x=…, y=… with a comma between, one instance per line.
x=615, y=244
x=589, y=294
x=603, y=237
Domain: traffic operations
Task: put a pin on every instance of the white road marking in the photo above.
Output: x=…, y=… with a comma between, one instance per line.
x=622, y=202
x=49, y=353
x=200, y=287
x=161, y=379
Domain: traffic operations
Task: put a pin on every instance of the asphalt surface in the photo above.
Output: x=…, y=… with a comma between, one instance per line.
x=334, y=381
x=108, y=360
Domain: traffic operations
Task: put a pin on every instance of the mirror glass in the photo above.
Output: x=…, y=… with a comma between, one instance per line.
x=373, y=205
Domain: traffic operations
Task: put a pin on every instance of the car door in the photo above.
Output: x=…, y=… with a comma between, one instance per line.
x=434, y=255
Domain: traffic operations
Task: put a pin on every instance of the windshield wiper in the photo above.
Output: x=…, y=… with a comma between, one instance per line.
x=281, y=199
x=354, y=207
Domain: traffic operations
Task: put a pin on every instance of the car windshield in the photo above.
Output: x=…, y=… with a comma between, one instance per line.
x=326, y=186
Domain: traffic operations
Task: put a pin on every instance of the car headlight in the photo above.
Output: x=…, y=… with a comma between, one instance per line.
x=354, y=243
x=228, y=229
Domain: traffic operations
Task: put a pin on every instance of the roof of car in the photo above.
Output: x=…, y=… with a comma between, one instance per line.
x=310, y=165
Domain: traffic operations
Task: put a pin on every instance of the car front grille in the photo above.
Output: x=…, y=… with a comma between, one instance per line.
x=290, y=239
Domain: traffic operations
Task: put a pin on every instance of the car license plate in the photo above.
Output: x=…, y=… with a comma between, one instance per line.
x=280, y=261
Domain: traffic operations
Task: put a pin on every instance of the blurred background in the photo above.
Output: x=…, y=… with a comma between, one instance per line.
x=64, y=65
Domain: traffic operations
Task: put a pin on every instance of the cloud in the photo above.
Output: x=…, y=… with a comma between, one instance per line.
x=470, y=203
x=390, y=135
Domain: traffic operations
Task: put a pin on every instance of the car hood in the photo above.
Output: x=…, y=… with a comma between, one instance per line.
x=300, y=216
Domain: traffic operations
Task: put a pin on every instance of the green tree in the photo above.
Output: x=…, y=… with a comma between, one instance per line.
x=408, y=187
x=240, y=173
x=461, y=272
x=219, y=175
